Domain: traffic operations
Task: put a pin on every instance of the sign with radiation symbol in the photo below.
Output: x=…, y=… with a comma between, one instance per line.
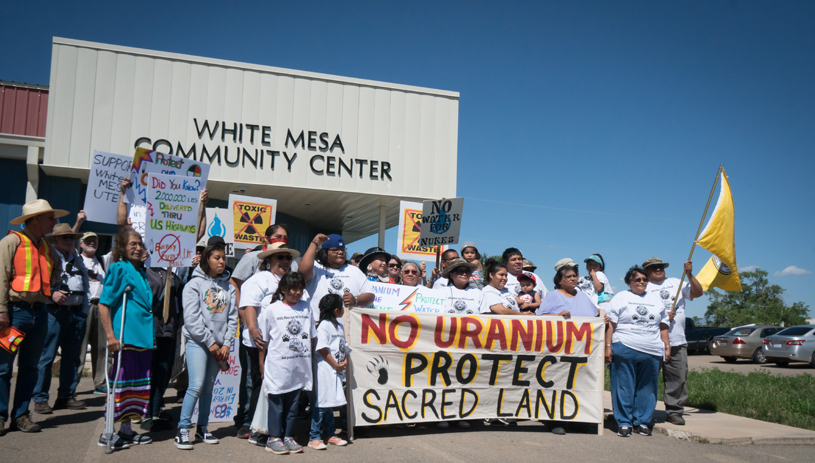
x=250, y=218
x=410, y=228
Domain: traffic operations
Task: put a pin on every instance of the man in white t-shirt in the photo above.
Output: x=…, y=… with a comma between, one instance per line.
x=95, y=333
x=514, y=260
x=436, y=279
x=675, y=370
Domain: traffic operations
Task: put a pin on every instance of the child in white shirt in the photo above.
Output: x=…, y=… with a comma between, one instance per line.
x=330, y=361
x=288, y=330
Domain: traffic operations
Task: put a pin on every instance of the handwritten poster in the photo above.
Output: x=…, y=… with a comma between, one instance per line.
x=172, y=213
x=152, y=162
x=102, y=196
x=441, y=221
x=224, y=402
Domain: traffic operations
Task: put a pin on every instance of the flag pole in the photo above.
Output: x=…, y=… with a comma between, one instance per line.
x=698, y=230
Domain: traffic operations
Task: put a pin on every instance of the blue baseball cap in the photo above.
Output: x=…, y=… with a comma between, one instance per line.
x=334, y=241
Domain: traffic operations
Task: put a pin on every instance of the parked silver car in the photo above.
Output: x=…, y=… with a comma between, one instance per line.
x=745, y=342
x=794, y=344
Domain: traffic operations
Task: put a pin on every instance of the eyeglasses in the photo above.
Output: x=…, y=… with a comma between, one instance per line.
x=448, y=259
x=337, y=250
x=394, y=266
x=410, y=272
x=640, y=280
x=657, y=267
x=461, y=270
x=283, y=257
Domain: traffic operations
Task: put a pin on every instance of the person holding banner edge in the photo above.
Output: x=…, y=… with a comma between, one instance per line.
x=636, y=343
x=675, y=370
x=132, y=395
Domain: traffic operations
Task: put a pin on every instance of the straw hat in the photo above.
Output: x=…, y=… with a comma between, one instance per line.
x=63, y=229
x=456, y=263
x=278, y=248
x=654, y=261
x=35, y=208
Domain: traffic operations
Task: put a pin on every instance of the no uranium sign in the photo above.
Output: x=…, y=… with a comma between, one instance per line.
x=441, y=222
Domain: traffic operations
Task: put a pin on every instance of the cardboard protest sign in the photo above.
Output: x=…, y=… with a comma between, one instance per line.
x=408, y=298
x=102, y=196
x=219, y=223
x=250, y=218
x=152, y=162
x=407, y=235
x=441, y=221
x=224, y=403
x=415, y=367
x=138, y=216
x=172, y=213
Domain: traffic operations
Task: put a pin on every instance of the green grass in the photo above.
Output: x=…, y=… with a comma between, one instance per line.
x=788, y=400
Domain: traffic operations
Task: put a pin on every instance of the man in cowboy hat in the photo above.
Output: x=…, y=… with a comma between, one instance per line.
x=675, y=370
x=26, y=271
x=67, y=318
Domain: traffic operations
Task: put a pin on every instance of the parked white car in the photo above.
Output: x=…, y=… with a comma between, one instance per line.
x=794, y=344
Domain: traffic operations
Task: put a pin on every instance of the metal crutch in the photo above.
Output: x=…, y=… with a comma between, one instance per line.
x=110, y=406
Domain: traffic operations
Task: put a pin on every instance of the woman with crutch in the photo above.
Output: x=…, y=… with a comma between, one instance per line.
x=126, y=315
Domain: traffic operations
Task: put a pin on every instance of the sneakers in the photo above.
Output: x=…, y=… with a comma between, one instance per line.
x=23, y=423
x=643, y=430
x=244, y=432
x=118, y=443
x=675, y=419
x=624, y=431
x=258, y=438
x=292, y=445
x=43, y=408
x=101, y=391
x=277, y=446
x=317, y=445
x=442, y=425
x=135, y=439
x=508, y=421
x=334, y=440
x=206, y=436
x=182, y=440
x=464, y=425
x=69, y=404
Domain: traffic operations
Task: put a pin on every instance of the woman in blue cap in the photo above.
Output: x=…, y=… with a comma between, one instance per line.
x=595, y=284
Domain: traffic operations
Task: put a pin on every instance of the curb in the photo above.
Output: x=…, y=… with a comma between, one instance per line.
x=685, y=435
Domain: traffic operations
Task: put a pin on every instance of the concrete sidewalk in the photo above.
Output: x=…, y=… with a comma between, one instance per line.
x=705, y=426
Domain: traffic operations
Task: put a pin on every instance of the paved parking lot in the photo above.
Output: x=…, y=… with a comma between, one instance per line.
x=699, y=361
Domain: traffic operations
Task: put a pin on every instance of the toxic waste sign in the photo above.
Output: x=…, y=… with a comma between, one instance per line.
x=410, y=227
x=415, y=367
x=250, y=218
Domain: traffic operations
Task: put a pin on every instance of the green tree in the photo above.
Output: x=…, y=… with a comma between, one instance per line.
x=759, y=302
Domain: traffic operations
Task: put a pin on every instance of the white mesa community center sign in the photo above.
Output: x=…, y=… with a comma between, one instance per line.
x=409, y=367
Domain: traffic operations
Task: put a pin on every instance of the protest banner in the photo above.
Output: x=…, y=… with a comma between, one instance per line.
x=172, y=213
x=224, y=403
x=407, y=235
x=441, y=221
x=408, y=298
x=420, y=367
x=219, y=223
x=102, y=195
x=153, y=162
x=250, y=218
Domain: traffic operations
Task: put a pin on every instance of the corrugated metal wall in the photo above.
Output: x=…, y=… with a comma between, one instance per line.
x=23, y=109
x=106, y=97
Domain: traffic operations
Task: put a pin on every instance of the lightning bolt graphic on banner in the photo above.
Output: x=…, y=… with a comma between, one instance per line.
x=409, y=301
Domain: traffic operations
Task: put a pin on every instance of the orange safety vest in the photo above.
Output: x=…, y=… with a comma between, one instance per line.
x=32, y=266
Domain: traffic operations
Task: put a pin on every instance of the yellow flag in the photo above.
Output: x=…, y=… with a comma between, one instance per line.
x=719, y=238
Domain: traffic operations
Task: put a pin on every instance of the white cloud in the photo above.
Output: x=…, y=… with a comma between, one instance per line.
x=749, y=268
x=792, y=270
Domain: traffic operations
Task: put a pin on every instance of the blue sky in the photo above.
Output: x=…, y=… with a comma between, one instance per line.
x=583, y=126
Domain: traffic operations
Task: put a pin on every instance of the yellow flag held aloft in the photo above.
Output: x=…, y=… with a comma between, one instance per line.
x=719, y=238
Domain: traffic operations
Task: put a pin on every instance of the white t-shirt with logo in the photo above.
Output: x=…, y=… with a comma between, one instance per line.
x=441, y=283
x=253, y=291
x=637, y=319
x=586, y=284
x=667, y=292
x=515, y=288
x=288, y=331
x=465, y=301
x=492, y=296
x=335, y=281
x=95, y=284
x=329, y=380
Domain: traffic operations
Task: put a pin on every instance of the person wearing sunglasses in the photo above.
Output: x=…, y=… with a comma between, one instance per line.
x=274, y=262
x=674, y=371
x=636, y=343
x=395, y=269
x=413, y=274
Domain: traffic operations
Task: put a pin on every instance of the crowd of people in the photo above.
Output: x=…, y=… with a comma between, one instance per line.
x=290, y=309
